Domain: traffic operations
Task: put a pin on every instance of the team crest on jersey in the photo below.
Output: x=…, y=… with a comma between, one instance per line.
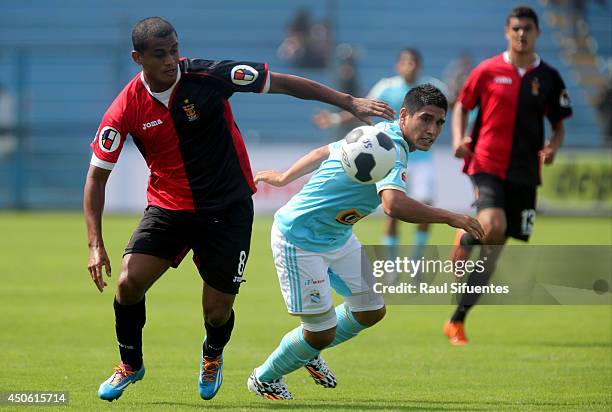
x=349, y=217
x=190, y=111
x=243, y=75
x=315, y=296
x=535, y=87
x=564, y=99
x=109, y=139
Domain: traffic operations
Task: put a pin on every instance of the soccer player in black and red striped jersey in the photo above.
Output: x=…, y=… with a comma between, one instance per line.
x=514, y=92
x=199, y=192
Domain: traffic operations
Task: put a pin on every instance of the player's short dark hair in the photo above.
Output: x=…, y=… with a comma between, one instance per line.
x=415, y=53
x=424, y=95
x=148, y=28
x=523, y=12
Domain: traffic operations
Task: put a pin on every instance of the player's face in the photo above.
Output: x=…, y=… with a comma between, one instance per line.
x=521, y=34
x=422, y=128
x=159, y=62
x=407, y=67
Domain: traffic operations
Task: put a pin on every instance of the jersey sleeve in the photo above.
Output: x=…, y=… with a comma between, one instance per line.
x=378, y=90
x=470, y=92
x=110, y=137
x=559, y=104
x=396, y=179
x=232, y=76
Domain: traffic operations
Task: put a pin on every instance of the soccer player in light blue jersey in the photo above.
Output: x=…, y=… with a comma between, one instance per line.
x=420, y=179
x=315, y=250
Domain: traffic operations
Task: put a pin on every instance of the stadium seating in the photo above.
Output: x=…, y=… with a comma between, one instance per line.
x=64, y=61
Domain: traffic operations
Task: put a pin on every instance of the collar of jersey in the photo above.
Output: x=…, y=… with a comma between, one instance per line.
x=533, y=65
x=169, y=90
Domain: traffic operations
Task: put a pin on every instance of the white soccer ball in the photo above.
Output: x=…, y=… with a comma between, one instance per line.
x=368, y=154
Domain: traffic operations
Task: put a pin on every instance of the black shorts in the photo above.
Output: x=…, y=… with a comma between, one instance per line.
x=220, y=241
x=519, y=202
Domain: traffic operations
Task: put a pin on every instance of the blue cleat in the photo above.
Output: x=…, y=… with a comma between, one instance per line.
x=211, y=376
x=113, y=387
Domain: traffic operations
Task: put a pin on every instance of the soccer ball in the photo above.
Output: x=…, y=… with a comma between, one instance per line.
x=368, y=154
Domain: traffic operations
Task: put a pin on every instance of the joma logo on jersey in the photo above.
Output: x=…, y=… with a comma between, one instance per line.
x=154, y=123
x=503, y=80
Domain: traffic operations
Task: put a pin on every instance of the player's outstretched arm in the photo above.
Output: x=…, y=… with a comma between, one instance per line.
x=93, y=205
x=303, y=88
x=396, y=204
x=305, y=165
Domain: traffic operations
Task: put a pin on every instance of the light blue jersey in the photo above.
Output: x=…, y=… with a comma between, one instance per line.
x=320, y=217
x=392, y=90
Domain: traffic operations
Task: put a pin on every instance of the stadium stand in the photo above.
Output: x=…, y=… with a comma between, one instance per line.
x=64, y=61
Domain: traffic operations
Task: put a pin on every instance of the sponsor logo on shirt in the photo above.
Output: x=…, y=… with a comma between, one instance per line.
x=109, y=139
x=154, y=123
x=502, y=80
x=243, y=75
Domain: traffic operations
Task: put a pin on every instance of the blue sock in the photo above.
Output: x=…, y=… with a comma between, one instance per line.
x=420, y=240
x=347, y=327
x=391, y=242
x=292, y=353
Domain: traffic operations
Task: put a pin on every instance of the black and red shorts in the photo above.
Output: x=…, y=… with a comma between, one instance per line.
x=518, y=202
x=220, y=241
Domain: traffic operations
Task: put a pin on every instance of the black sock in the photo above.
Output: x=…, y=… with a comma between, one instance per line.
x=129, y=321
x=468, y=240
x=460, y=313
x=217, y=337
x=468, y=300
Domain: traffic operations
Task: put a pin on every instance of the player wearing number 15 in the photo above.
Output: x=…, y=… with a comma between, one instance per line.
x=199, y=194
x=315, y=249
x=514, y=92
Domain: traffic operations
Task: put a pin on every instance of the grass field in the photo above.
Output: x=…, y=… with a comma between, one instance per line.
x=58, y=334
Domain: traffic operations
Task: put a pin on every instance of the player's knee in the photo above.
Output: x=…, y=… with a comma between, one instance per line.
x=370, y=317
x=129, y=292
x=495, y=230
x=320, y=339
x=217, y=316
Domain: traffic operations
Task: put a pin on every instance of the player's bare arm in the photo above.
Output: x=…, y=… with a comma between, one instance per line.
x=461, y=143
x=396, y=204
x=548, y=152
x=303, y=166
x=310, y=90
x=93, y=205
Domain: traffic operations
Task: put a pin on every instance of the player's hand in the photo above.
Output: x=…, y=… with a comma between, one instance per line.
x=271, y=177
x=467, y=223
x=547, y=154
x=464, y=148
x=98, y=259
x=323, y=119
x=363, y=108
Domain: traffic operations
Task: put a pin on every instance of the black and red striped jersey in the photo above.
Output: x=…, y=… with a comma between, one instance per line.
x=509, y=129
x=191, y=143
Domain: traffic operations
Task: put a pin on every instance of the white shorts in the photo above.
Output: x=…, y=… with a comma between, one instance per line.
x=306, y=278
x=421, y=182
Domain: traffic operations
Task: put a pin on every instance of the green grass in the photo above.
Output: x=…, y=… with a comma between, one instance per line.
x=58, y=334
